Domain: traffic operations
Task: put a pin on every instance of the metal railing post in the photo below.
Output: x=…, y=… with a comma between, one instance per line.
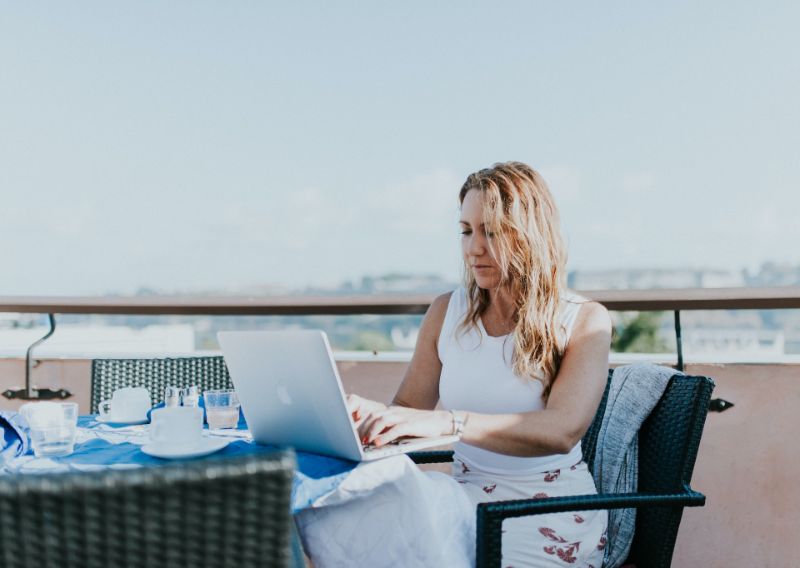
x=679, y=344
x=30, y=393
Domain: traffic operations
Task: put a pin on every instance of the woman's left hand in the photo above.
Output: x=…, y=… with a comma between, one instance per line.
x=394, y=422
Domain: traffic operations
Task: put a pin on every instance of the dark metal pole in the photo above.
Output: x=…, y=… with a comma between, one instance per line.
x=29, y=392
x=678, y=339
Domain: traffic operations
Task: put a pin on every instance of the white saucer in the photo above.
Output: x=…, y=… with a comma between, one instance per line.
x=171, y=452
x=104, y=420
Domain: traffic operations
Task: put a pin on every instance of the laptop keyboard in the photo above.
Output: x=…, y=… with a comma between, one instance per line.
x=393, y=447
x=406, y=445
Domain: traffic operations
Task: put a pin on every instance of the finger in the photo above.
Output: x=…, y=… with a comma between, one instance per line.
x=375, y=427
x=352, y=402
x=393, y=432
x=378, y=427
x=365, y=417
x=366, y=424
x=368, y=428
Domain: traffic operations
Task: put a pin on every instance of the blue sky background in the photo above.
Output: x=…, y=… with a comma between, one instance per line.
x=194, y=146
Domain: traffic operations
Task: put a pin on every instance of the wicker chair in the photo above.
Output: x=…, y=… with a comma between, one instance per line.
x=215, y=512
x=155, y=374
x=668, y=443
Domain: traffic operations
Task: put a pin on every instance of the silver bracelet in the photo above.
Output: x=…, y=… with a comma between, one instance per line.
x=458, y=423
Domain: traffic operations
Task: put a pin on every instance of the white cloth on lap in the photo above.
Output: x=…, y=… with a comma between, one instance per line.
x=390, y=513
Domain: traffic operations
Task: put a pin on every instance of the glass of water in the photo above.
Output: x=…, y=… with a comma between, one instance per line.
x=222, y=408
x=172, y=397
x=52, y=427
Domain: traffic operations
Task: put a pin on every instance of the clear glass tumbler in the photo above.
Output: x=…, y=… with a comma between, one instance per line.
x=52, y=427
x=190, y=396
x=222, y=408
x=172, y=397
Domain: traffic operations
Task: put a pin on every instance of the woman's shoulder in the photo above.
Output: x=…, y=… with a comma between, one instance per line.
x=434, y=319
x=573, y=301
x=440, y=303
x=445, y=308
x=580, y=312
x=590, y=313
x=572, y=297
x=456, y=297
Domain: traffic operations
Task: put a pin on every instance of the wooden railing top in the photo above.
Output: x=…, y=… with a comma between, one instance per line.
x=615, y=300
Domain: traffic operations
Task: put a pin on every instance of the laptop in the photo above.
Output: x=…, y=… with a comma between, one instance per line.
x=291, y=395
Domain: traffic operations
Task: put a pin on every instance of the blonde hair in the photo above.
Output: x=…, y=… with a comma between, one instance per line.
x=529, y=248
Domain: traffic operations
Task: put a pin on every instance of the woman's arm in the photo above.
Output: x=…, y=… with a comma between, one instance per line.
x=573, y=402
x=420, y=386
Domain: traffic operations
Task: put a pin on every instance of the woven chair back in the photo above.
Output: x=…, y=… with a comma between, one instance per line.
x=217, y=512
x=156, y=374
x=668, y=443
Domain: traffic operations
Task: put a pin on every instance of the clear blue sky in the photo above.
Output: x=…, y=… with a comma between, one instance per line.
x=217, y=145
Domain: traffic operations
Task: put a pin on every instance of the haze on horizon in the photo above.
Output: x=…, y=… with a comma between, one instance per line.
x=211, y=146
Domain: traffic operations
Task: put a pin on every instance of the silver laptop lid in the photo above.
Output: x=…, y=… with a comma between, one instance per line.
x=290, y=390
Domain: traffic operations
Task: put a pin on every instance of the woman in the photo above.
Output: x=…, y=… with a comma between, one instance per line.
x=519, y=366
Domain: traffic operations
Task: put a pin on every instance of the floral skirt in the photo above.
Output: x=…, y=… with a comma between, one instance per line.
x=390, y=513
x=555, y=539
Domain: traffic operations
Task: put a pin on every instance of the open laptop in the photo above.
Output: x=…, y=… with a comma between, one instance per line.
x=291, y=395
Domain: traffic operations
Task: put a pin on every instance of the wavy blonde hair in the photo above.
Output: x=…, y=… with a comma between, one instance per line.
x=530, y=250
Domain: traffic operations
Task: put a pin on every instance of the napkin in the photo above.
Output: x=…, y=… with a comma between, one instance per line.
x=242, y=425
x=14, y=438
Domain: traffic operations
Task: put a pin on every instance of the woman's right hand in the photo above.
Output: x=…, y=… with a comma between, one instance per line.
x=360, y=408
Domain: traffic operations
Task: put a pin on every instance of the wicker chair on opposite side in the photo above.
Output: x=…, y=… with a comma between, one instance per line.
x=668, y=444
x=211, y=513
x=156, y=374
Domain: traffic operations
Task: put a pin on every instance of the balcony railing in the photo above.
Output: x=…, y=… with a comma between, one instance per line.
x=675, y=300
x=614, y=300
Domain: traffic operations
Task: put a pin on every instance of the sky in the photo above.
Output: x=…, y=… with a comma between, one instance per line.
x=192, y=146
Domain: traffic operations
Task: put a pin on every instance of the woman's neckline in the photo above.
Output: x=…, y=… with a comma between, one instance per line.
x=483, y=329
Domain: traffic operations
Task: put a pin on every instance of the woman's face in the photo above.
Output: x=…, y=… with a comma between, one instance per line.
x=475, y=242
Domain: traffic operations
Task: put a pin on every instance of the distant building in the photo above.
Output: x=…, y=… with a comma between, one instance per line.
x=723, y=279
x=405, y=284
x=94, y=340
x=404, y=339
x=743, y=343
x=647, y=279
x=773, y=274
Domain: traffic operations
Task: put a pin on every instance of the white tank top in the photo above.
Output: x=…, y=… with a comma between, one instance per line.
x=477, y=376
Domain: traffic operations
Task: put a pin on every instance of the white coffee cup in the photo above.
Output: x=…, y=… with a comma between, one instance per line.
x=179, y=426
x=128, y=404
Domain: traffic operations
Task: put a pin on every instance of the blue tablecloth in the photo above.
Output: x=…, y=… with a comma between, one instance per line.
x=315, y=476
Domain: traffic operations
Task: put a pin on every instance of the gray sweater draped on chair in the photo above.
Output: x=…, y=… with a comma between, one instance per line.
x=634, y=392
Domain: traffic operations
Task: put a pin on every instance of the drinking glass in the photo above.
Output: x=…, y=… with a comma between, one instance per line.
x=190, y=396
x=52, y=427
x=222, y=409
x=172, y=397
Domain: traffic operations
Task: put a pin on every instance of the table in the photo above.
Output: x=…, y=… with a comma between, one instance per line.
x=101, y=446
x=320, y=485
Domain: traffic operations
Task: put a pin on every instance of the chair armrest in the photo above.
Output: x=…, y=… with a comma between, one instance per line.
x=491, y=515
x=524, y=507
x=435, y=456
